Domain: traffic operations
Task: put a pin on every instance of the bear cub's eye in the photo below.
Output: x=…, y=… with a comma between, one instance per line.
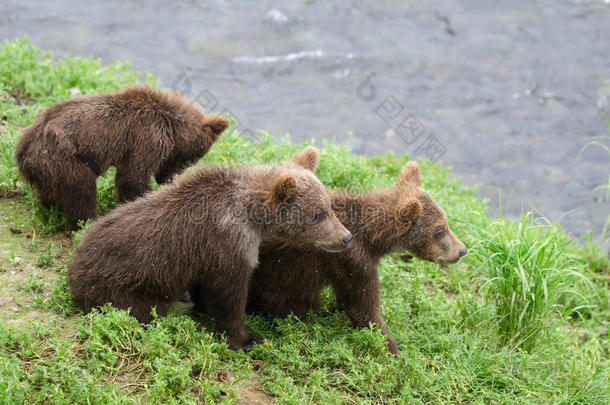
x=439, y=233
x=319, y=215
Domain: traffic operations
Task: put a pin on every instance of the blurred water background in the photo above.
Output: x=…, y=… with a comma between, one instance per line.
x=506, y=92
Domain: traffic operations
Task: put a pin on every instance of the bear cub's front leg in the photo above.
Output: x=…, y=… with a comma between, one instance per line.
x=227, y=307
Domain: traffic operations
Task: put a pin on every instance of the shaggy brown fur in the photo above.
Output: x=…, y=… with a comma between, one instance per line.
x=140, y=131
x=203, y=234
x=291, y=278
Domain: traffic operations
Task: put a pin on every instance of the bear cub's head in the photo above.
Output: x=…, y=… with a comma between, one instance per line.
x=426, y=231
x=299, y=209
x=212, y=126
x=188, y=151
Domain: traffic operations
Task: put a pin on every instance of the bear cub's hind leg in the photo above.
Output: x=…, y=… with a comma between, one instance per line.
x=77, y=194
x=228, y=308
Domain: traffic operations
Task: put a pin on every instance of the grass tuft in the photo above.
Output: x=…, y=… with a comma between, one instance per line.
x=531, y=272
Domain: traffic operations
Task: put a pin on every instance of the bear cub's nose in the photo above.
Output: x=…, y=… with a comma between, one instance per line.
x=347, y=238
x=463, y=252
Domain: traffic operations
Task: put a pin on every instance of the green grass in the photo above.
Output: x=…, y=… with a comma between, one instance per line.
x=530, y=273
x=524, y=319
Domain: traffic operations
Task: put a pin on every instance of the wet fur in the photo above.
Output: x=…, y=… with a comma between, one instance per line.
x=290, y=279
x=140, y=131
x=196, y=235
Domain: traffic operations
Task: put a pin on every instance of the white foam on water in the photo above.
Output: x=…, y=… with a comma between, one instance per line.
x=314, y=54
x=276, y=16
x=308, y=54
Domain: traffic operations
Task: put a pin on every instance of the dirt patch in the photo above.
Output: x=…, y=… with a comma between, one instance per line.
x=251, y=392
x=3, y=125
x=21, y=279
x=19, y=97
x=433, y=289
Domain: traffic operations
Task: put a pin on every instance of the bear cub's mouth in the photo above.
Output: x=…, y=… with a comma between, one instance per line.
x=334, y=248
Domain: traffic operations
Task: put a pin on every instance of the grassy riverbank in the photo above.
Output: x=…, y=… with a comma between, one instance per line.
x=523, y=319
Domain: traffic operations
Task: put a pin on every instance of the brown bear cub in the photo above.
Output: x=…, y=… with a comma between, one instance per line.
x=203, y=232
x=289, y=279
x=140, y=131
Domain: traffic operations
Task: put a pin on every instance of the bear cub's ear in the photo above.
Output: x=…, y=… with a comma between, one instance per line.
x=307, y=158
x=409, y=210
x=217, y=125
x=409, y=175
x=284, y=190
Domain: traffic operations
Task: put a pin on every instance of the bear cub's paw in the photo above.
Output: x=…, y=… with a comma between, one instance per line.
x=245, y=343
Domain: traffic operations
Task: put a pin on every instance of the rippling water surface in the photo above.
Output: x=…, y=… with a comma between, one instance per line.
x=507, y=92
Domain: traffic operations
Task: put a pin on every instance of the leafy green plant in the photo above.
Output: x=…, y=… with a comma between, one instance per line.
x=530, y=270
x=34, y=284
x=45, y=260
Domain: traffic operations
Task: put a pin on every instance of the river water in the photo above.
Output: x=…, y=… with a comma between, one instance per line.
x=506, y=92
